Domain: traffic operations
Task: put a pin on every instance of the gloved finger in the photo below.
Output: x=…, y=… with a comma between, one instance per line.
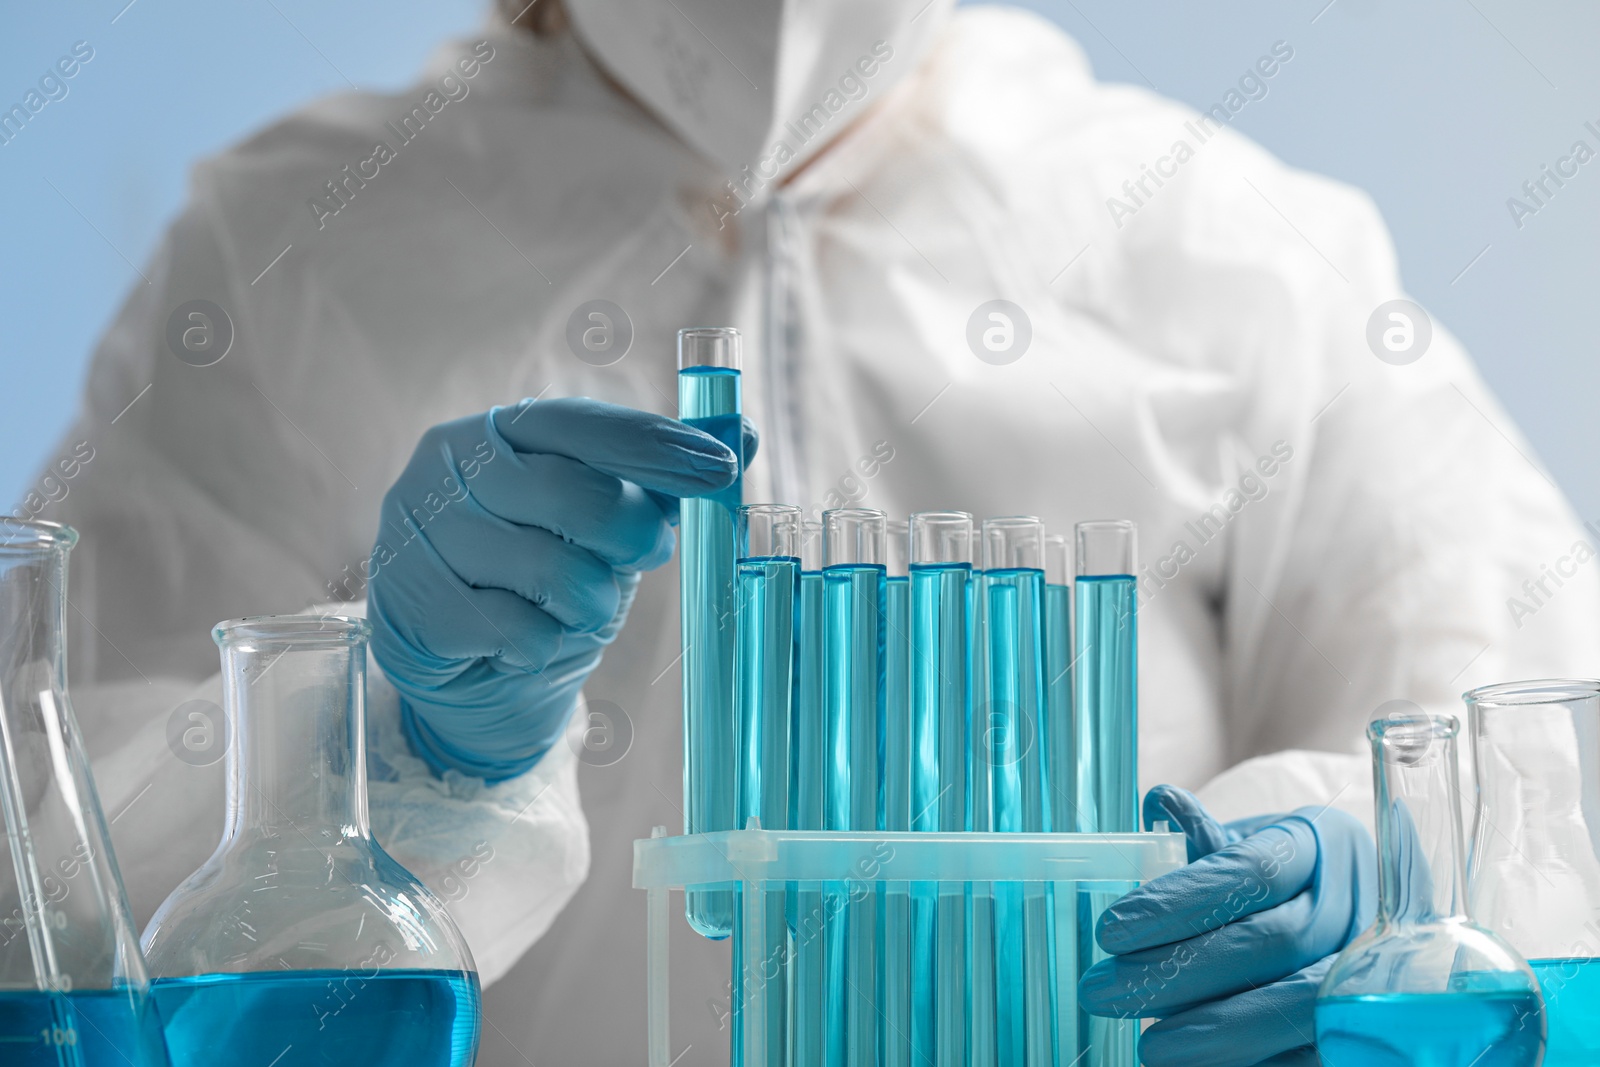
x=569, y=583
x=650, y=450
x=1183, y=811
x=1305, y=1056
x=1249, y=876
x=750, y=442
x=615, y=519
x=1239, y=829
x=1249, y=1027
x=461, y=623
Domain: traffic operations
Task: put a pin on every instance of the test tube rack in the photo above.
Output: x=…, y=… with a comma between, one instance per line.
x=1082, y=873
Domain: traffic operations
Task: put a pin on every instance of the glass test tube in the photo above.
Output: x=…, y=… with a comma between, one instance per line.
x=1060, y=772
x=1106, y=686
x=895, y=961
x=1105, y=711
x=853, y=580
x=807, y=808
x=709, y=400
x=941, y=703
x=768, y=581
x=1016, y=746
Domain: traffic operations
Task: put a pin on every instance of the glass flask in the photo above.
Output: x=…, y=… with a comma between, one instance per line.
x=73, y=988
x=300, y=942
x=1425, y=986
x=1534, y=877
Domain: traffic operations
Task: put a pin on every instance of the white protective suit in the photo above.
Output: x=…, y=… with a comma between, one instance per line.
x=1217, y=333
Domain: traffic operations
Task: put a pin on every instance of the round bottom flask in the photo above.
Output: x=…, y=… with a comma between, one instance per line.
x=300, y=942
x=1426, y=986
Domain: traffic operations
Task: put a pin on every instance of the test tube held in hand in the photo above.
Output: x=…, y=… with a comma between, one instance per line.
x=709, y=400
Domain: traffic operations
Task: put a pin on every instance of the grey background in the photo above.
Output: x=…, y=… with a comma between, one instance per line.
x=1440, y=109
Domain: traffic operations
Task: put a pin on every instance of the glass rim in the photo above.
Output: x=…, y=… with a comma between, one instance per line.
x=303, y=631
x=21, y=536
x=1532, y=692
x=1013, y=522
x=1438, y=727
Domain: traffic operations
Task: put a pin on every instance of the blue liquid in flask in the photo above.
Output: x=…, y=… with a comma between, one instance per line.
x=89, y=1028
x=1571, y=989
x=1431, y=1030
x=332, y=1018
x=708, y=400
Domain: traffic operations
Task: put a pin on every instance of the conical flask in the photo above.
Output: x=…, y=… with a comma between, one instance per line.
x=73, y=989
x=1535, y=873
x=300, y=942
x=1426, y=986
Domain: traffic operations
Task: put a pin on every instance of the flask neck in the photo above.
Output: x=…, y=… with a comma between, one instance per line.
x=33, y=660
x=1421, y=847
x=296, y=759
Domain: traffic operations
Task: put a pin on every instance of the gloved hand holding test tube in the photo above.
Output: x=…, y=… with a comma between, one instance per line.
x=709, y=401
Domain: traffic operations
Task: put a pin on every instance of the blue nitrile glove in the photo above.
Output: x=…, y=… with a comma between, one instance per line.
x=1228, y=952
x=507, y=555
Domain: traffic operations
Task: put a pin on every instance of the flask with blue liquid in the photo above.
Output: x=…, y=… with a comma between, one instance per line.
x=300, y=937
x=1426, y=986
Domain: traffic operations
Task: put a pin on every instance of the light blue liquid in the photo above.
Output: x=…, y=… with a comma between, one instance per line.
x=853, y=665
x=1106, y=745
x=1061, y=769
x=941, y=703
x=1571, y=990
x=1017, y=745
x=766, y=596
x=768, y=591
x=708, y=399
x=334, y=1018
x=808, y=812
x=982, y=779
x=1431, y=1030
x=895, y=953
x=1063, y=902
x=90, y=1028
x=1106, y=705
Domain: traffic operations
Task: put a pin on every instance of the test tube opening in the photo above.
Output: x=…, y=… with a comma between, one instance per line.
x=709, y=346
x=853, y=536
x=1057, y=559
x=1106, y=547
x=810, y=545
x=769, y=530
x=941, y=537
x=898, y=547
x=1013, y=542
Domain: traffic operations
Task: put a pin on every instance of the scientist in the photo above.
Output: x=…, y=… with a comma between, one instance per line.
x=968, y=275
